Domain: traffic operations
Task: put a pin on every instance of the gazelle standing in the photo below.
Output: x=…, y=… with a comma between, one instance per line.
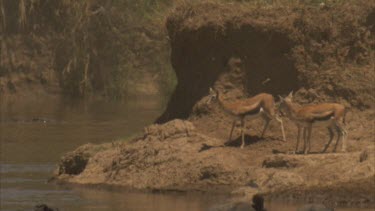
x=261, y=105
x=330, y=115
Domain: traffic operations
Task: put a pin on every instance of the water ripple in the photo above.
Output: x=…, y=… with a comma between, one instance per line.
x=23, y=168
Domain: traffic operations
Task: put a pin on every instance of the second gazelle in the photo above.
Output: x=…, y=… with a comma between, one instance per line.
x=330, y=115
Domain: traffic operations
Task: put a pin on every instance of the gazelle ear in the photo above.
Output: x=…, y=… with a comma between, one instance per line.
x=290, y=94
x=281, y=98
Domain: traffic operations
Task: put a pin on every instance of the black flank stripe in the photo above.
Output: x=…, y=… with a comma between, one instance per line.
x=324, y=118
x=252, y=112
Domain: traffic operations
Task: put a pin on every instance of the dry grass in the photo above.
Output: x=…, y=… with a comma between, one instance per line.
x=98, y=45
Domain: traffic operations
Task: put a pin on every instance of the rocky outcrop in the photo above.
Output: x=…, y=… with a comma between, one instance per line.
x=73, y=163
x=44, y=207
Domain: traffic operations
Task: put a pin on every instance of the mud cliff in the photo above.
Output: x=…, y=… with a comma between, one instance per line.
x=324, y=53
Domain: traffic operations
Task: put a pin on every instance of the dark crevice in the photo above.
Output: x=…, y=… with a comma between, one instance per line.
x=200, y=57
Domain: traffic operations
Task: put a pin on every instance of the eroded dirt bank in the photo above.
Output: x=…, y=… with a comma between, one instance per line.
x=243, y=51
x=176, y=156
x=322, y=53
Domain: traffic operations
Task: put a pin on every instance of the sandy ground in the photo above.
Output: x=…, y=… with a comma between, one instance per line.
x=178, y=156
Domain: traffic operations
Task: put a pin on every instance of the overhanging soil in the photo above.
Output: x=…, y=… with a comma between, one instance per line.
x=283, y=48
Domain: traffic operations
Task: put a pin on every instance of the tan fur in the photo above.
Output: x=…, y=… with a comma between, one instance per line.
x=306, y=117
x=323, y=109
x=241, y=107
x=262, y=105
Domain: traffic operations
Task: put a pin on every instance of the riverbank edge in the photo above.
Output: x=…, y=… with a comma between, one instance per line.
x=276, y=178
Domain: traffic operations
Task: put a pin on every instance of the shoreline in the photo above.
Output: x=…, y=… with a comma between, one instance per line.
x=168, y=158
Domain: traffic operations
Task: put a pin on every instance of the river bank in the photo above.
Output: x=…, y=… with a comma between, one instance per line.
x=35, y=134
x=243, y=50
x=177, y=157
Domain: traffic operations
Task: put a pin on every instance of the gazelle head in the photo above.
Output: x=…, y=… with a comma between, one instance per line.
x=284, y=101
x=212, y=95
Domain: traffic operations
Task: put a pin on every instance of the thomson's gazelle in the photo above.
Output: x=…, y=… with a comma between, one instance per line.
x=330, y=115
x=261, y=105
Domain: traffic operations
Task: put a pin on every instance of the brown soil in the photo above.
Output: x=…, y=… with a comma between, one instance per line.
x=244, y=51
x=282, y=48
x=177, y=156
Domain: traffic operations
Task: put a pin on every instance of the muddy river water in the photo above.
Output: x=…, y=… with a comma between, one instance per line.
x=34, y=135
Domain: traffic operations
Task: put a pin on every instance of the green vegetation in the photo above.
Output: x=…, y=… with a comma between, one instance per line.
x=103, y=47
x=98, y=47
x=111, y=44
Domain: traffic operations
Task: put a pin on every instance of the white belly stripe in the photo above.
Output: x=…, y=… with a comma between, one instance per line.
x=323, y=123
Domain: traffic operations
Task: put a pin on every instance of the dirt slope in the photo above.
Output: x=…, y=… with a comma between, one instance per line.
x=175, y=156
x=324, y=53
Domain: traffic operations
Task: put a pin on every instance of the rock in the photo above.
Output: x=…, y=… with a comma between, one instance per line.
x=280, y=162
x=314, y=207
x=44, y=207
x=278, y=180
x=363, y=156
x=73, y=163
x=367, y=154
x=239, y=206
x=257, y=205
x=245, y=192
x=258, y=202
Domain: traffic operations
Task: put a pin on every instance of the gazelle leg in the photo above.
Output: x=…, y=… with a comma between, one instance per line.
x=308, y=141
x=242, y=133
x=331, y=135
x=282, y=126
x=304, y=138
x=231, y=131
x=344, y=139
x=342, y=133
x=298, y=137
x=338, y=137
x=267, y=122
x=309, y=138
